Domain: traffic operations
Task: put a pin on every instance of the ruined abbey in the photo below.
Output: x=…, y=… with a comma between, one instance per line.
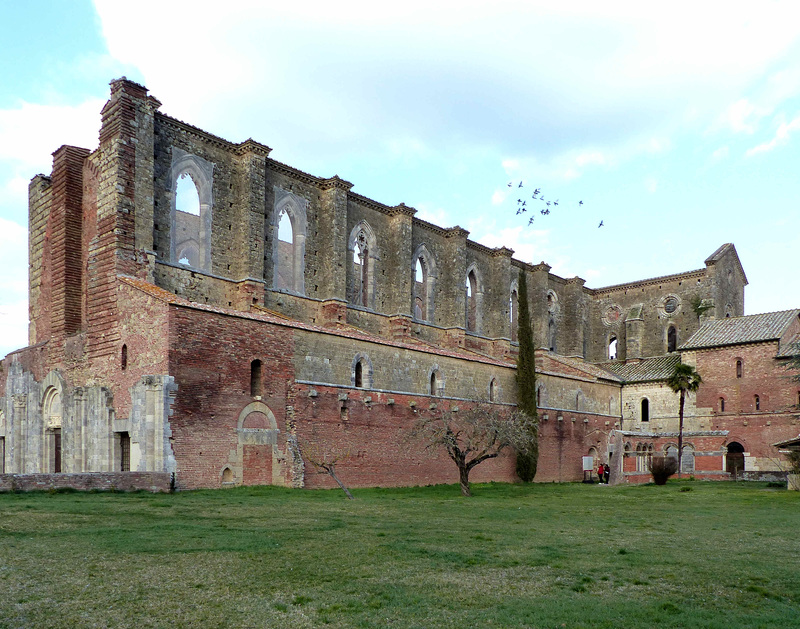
x=198, y=309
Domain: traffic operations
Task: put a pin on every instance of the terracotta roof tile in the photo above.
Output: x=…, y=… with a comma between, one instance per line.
x=267, y=316
x=646, y=370
x=756, y=328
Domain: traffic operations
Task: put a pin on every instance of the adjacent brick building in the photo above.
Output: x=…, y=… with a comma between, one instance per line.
x=200, y=309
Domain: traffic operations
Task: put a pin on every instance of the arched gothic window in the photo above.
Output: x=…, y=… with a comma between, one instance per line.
x=424, y=284
x=362, y=247
x=551, y=334
x=612, y=348
x=739, y=368
x=474, y=299
x=722, y=405
x=191, y=187
x=435, y=384
x=513, y=306
x=757, y=402
x=361, y=373
x=645, y=417
x=289, y=241
x=672, y=339
x=493, y=390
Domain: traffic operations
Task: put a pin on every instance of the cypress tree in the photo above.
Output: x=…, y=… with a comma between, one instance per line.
x=526, y=381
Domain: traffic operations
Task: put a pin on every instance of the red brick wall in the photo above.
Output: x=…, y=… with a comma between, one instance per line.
x=210, y=357
x=563, y=443
x=762, y=375
x=374, y=428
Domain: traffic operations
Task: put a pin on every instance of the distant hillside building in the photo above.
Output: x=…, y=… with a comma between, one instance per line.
x=201, y=310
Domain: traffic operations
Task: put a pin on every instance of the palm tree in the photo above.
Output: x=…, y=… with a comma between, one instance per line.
x=684, y=378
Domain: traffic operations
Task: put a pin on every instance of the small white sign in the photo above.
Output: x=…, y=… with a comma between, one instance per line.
x=588, y=463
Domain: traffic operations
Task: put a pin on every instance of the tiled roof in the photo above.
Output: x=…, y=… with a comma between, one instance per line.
x=264, y=314
x=646, y=370
x=589, y=370
x=790, y=348
x=769, y=326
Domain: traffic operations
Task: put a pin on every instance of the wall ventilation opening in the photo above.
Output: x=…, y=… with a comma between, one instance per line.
x=255, y=378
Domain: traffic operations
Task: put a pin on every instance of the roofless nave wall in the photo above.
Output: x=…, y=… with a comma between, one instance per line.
x=197, y=307
x=266, y=234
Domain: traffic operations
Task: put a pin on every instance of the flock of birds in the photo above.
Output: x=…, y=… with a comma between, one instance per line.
x=544, y=204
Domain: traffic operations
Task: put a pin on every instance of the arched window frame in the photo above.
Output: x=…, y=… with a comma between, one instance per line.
x=362, y=280
x=722, y=405
x=672, y=338
x=429, y=280
x=363, y=361
x=435, y=382
x=473, y=320
x=739, y=368
x=613, y=347
x=201, y=173
x=295, y=208
x=513, y=311
x=52, y=405
x=493, y=390
x=757, y=402
x=644, y=408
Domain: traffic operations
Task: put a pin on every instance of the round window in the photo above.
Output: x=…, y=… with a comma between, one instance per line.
x=670, y=305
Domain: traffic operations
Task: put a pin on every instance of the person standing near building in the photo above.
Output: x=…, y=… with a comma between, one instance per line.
x=606, y=473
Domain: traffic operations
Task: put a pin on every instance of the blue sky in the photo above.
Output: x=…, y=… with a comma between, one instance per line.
x=679, y=131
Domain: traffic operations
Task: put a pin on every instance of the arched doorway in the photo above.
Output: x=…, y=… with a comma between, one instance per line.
x=257, y=435
x=734, y=460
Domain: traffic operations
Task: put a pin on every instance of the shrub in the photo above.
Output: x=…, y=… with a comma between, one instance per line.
x=662, y=467
x=526, y=466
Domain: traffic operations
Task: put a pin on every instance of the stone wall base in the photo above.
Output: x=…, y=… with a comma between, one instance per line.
x=99, y=481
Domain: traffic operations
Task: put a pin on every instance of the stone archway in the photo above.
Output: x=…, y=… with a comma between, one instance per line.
x=734, y=459
x=257, y=433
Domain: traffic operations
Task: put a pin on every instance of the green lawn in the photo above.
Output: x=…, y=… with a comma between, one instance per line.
x=689, y=554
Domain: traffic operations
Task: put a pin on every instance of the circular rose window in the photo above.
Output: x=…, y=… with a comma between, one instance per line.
x=670, y=305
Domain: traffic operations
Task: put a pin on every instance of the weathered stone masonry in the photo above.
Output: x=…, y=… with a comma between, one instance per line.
x=199, y=308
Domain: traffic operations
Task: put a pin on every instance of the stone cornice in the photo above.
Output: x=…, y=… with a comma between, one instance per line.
x=196, y=132
x=699, y=273
x=336, y=183
x=253, y=147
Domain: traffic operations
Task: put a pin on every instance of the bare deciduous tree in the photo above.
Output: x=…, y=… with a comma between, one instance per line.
x=473, y=435
x=324, y=460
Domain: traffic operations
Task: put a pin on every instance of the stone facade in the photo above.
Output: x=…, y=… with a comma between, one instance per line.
x=200, y=309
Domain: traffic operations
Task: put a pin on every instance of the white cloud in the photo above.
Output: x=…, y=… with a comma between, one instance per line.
x=651, y=184
x=31, y=132
x=743, y=116
x=720, y=154
x=13, y=326
x=782, y=133
x=435, y=215
x=13, y=286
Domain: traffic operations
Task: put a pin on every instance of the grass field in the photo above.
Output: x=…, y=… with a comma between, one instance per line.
x=689, y=554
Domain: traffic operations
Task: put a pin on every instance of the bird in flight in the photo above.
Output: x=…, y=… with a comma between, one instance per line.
x=530, y=221
x=580, y=202
x=600, y=225
x=520, y=185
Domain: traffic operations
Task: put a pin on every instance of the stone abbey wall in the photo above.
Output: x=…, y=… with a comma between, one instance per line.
x=199, y=308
